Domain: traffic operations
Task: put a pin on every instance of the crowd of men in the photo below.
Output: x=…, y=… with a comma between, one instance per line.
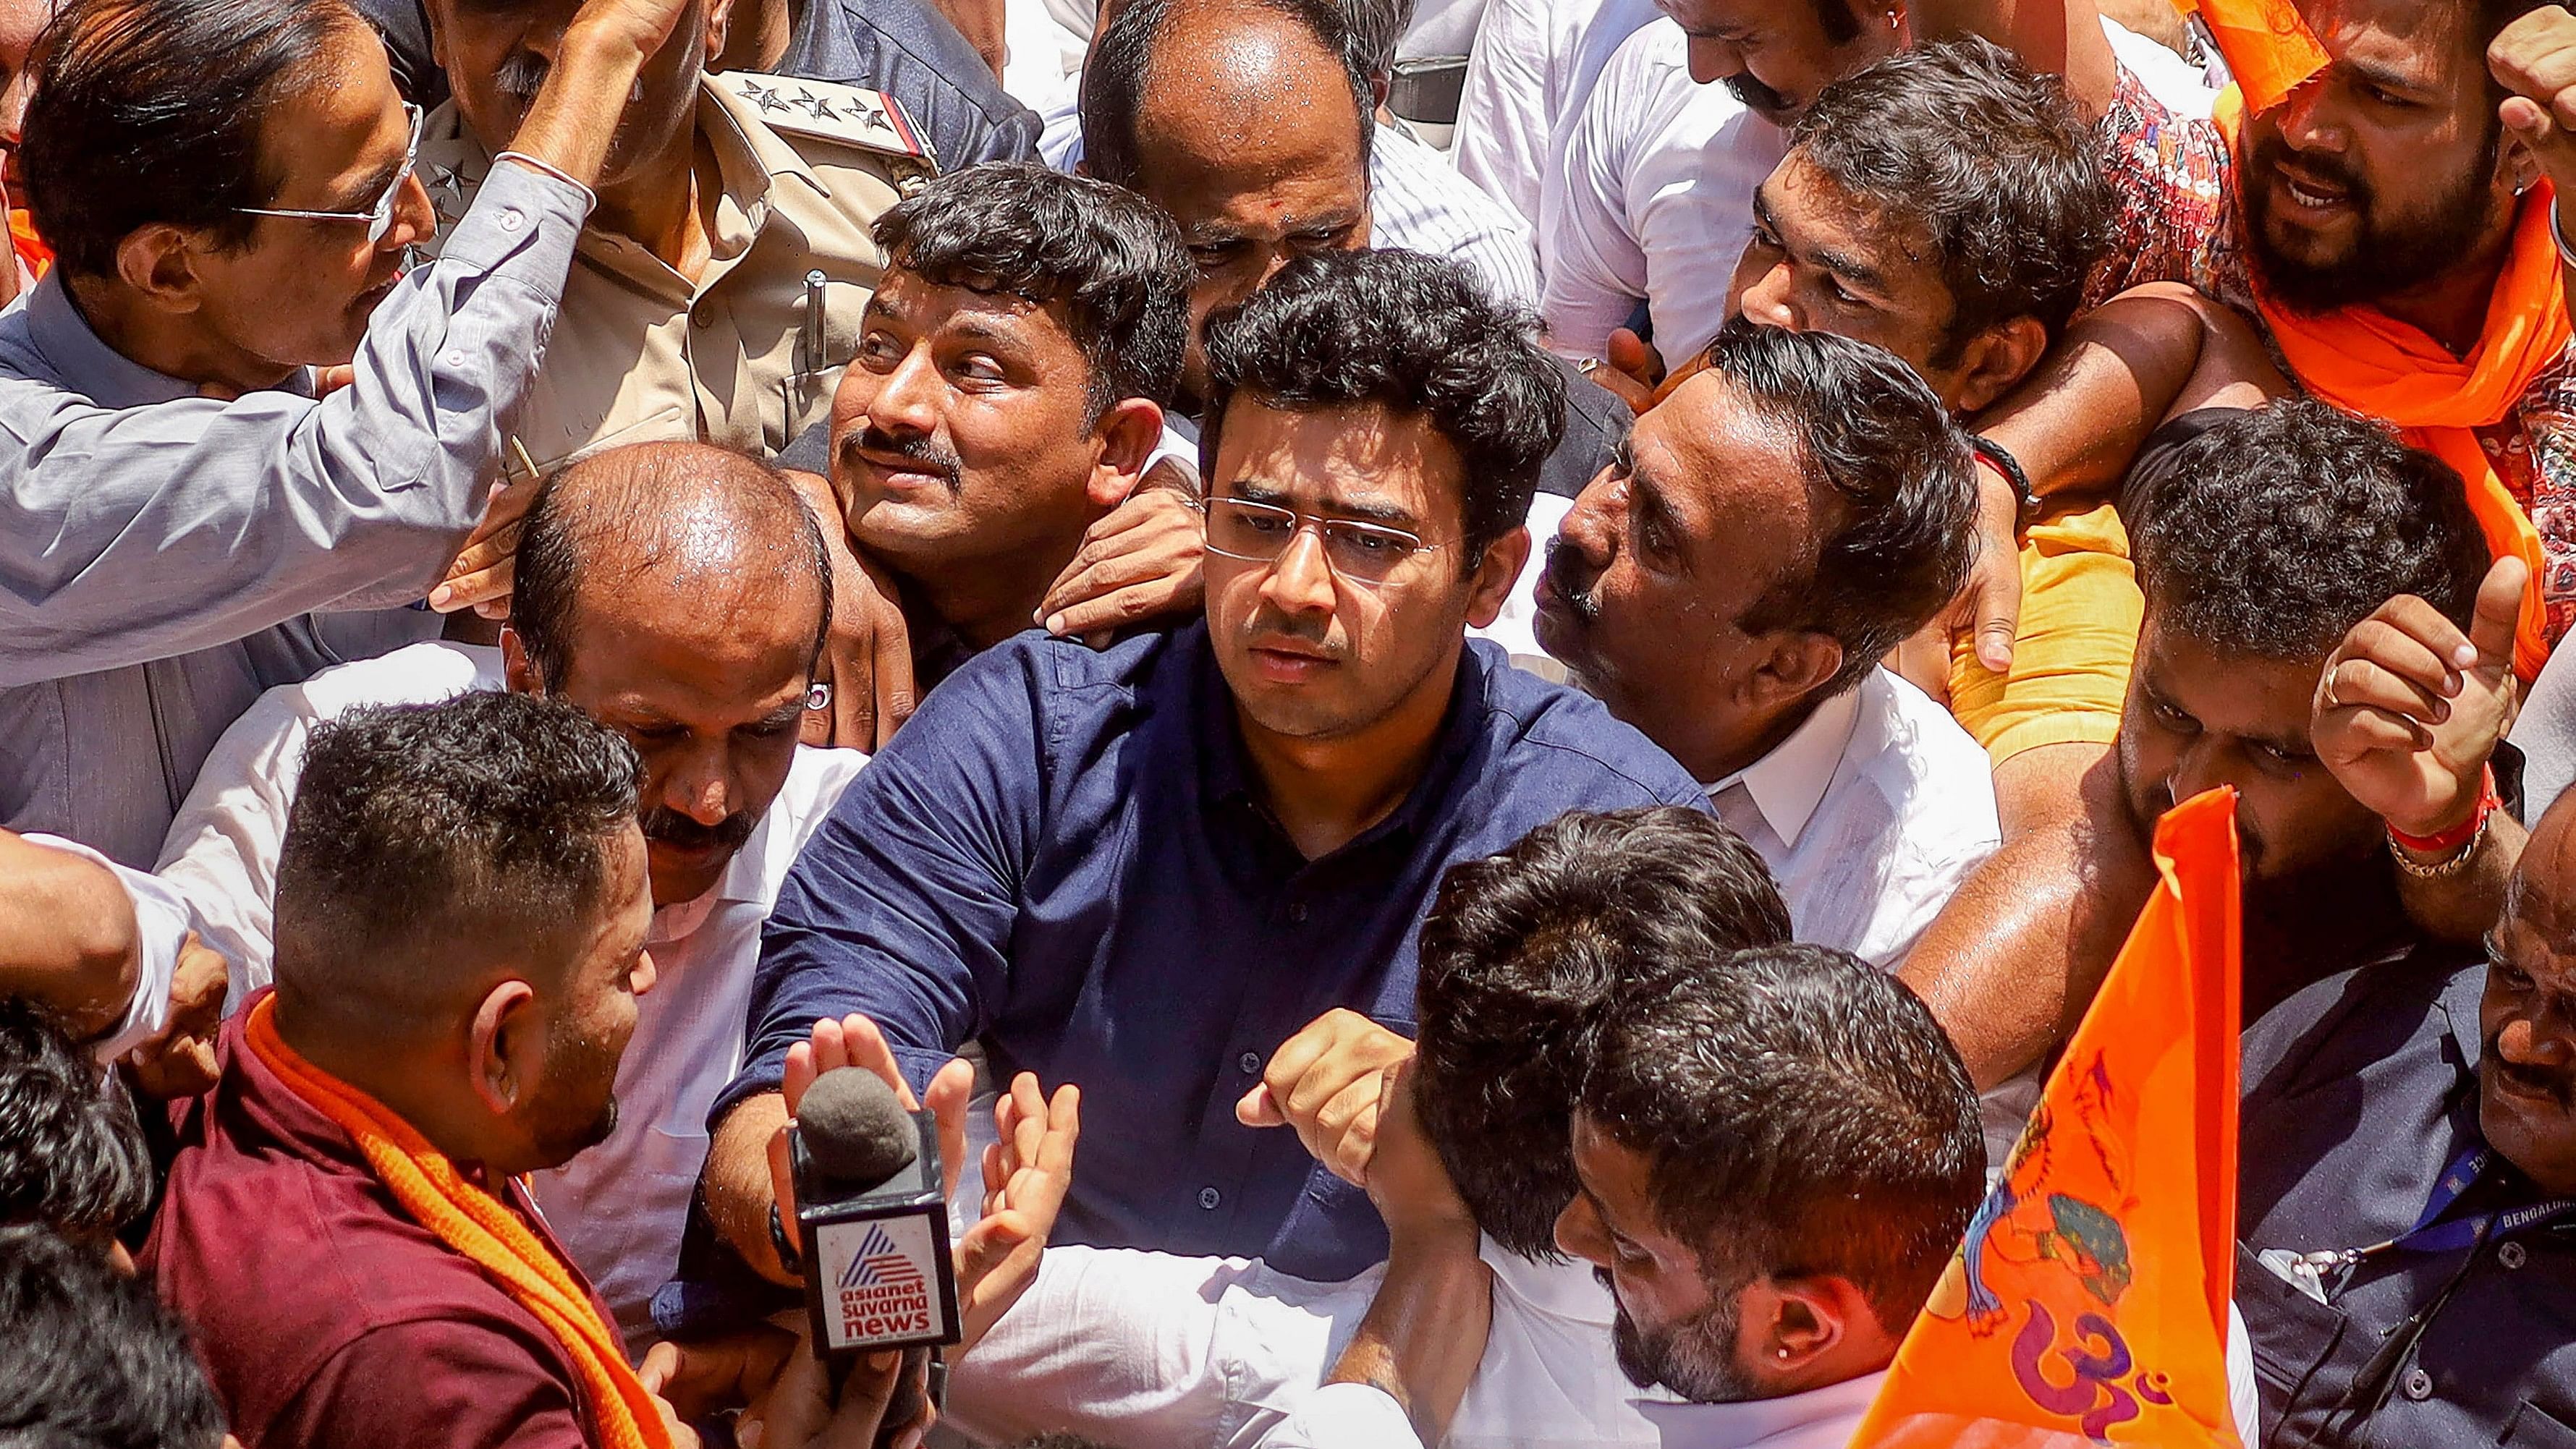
x=1472, y=759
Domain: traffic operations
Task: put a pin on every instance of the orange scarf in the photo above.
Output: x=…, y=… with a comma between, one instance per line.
x=483, y=1229
x=2365, y=361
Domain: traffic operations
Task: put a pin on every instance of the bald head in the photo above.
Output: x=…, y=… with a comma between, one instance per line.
x=2527, y=1016
x=1180, y=93
x=695, y=541
x=678, y=594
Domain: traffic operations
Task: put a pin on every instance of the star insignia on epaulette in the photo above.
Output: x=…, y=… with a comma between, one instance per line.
x=762, y=96
x=447, y=192
x=821, y=106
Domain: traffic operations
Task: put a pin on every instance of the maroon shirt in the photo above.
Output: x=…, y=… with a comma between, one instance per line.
x=327, y=1317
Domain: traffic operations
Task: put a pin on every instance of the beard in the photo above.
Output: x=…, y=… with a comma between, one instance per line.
x=577, y=1108
x=1758, y=98
x=1694, y=1357
x=2392, y=254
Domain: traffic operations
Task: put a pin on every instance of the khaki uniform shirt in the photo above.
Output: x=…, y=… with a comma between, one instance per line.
x=748, y=356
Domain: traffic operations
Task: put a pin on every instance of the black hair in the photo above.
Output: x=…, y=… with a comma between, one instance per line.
x=1122, y=64
x=1518, y=955
x=71, y=1153
x=2272, y=533
x=481, y=821
x=1898, y=547
x=150, y=111
x=1800, y=1113
x=1838, y=20
x=90, y=1359
x=616, y=490
x=1114, y=261
x=1413, y=334
x=1990, y=163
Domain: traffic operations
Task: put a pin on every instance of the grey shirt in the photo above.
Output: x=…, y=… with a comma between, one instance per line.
x=164, y=557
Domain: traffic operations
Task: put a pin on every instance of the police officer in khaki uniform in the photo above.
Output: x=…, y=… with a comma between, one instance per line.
x=717, y=290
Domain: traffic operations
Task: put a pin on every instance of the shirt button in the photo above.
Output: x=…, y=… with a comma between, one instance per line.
x=1297, y=913
x=1209, y=1197
x=2511, y=1255
x=2417, y=1385
x=702, y=320
x=1251, y=1064
x=451, y=358
x=511, y=220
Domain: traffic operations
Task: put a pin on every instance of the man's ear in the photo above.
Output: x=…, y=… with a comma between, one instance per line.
x=1795, y=663
x=518, y=672
x=505, y=1042
x=160, y=261
x=719, y=27
x=1496, y=572
x=1997, y=359
x=1791, y=1325
x=1127, y=433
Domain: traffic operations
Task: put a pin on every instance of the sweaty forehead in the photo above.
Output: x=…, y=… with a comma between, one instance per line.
x=2266, y=700
x=1254, y=100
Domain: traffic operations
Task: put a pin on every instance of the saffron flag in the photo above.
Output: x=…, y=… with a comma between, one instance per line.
x=2268, y=47
x=2088, y=1305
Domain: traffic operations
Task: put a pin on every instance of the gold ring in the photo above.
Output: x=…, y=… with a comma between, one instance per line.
x=2333, y=700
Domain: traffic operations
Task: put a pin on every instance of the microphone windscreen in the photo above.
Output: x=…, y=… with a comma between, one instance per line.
x=855, y=1129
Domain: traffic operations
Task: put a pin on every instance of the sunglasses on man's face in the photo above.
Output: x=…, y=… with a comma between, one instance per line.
x=378, y=218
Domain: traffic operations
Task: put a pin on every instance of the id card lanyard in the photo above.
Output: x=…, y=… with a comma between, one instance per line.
x=2321, y=1274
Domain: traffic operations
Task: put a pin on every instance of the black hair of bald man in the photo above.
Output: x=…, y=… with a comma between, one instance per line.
x=610, y=498
x=428, y=841
x=1122, y=65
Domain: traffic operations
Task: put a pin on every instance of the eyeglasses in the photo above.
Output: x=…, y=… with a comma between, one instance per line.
x=380, y=217
x=1364, y=553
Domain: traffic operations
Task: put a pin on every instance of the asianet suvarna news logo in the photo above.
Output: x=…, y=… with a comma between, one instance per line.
x=884, y=1292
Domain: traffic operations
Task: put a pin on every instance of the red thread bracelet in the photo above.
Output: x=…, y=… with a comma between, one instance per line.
x=2450, y=841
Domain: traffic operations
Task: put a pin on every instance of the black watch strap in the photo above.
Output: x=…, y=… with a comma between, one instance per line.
x=788, y=1257
x=2025, y=498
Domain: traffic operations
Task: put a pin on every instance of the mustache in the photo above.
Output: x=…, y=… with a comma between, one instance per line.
x=1564, y=570
x=1269, y=624
x=669, y=826
x=524, y=73
x=520, y=76
x=2273, y=154
x=2556, y=1086
x=923, y=450
x=1755, y=94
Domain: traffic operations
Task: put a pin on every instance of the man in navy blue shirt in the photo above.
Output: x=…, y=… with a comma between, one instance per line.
x=1142, y=869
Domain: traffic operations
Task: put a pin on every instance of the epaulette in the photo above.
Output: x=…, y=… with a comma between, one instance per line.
x=843, y=114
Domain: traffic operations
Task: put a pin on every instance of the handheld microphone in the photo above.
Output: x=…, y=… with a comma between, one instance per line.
x=874, y=1224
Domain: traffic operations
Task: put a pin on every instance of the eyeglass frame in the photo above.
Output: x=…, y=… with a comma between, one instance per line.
x=1321, y=525
x=380, y=217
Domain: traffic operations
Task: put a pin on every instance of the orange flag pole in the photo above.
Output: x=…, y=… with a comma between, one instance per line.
x=2268, y=46
x=2088, y=1305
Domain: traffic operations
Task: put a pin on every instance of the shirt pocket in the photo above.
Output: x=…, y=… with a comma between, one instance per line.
x=2290, y=1333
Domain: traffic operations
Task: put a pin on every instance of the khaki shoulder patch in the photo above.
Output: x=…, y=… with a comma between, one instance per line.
x=847, y=115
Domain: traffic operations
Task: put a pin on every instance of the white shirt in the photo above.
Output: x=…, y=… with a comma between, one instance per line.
x=1817, y=1419
x=1651, y=199
x=1648, y=195
x=1533, y=65
x=1869, y=816
x=1416, y=202
x=1160, y=1351
x=1044, y=43
x=617, y=1208
x=162, y=922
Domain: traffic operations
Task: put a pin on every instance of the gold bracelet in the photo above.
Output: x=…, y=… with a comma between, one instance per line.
x=2441, y=869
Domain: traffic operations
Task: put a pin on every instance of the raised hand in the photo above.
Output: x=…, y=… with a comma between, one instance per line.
x=2409, y=708
x=1325, y=1083
x=854, y=1041
x=1027, y=1172
x=2535, y=58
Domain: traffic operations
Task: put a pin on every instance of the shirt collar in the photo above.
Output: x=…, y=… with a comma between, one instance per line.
x=1756, y=1421
x=1560, y=1290
x=1789, y=783
x=82, y=360
x=1225, y=765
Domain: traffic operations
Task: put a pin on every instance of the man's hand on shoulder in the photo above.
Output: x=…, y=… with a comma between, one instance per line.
x=1138, y=564
x=1325, y=1082
x=867, y=651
